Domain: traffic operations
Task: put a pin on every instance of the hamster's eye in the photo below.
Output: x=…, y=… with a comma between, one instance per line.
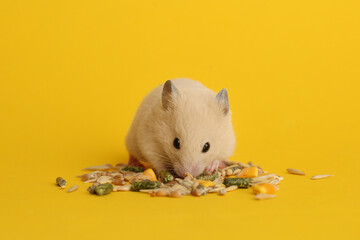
x=206, y=147
x=176, y=143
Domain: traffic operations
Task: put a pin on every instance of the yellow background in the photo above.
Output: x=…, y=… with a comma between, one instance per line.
x=72, y=74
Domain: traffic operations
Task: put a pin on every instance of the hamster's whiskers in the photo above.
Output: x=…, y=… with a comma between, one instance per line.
x=166, y=162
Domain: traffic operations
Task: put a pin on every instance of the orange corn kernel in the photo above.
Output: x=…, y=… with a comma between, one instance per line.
x=150, y=174
x=267, y=188
x=249, y=172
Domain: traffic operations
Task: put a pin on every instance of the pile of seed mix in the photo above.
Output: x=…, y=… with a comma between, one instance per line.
x=107, y=178
x=236, y=175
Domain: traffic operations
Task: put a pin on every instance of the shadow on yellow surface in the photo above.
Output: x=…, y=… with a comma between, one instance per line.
x=72, y=74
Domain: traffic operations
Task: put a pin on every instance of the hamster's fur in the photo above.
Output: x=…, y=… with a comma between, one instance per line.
x=187, y=110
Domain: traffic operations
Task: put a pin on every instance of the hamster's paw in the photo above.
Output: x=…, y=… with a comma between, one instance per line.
x=213, y=166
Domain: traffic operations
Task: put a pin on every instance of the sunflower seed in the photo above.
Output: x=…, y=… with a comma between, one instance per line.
x=188, y=176
x=104, y=179
x=231, y=166
x=219, y=185
x=118, y=182
x=195, y=184
x=321, y=176
x=91, y=180
x=222, y=191
x=99, y=168
x=264, y=179
x=295, y=171
x=229, y=172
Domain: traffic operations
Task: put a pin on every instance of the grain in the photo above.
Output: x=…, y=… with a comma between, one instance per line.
x=263, y=196
x=320, y=176
x=231, y=188
x=121, y=188
x=73, y=188
x=214, y=190
x=295, y=171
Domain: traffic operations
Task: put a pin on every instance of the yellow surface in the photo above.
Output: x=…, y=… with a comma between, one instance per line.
x=72, y=74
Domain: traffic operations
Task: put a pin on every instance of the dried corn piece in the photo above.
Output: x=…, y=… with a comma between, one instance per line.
x=250, y=172
x=165, y=176
x=61, y=182
x=149, y=173
x=264, y=188
x=206, y=183
x=133, y=169
x=240, y=182
x=147, y=184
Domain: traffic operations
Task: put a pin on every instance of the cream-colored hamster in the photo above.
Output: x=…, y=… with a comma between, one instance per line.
x=182, y=126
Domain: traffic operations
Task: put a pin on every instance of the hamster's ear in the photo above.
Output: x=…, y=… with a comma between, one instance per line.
x=223, y=99
x=168, y=94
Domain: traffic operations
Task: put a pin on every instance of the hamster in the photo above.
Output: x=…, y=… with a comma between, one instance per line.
x=182, y=126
